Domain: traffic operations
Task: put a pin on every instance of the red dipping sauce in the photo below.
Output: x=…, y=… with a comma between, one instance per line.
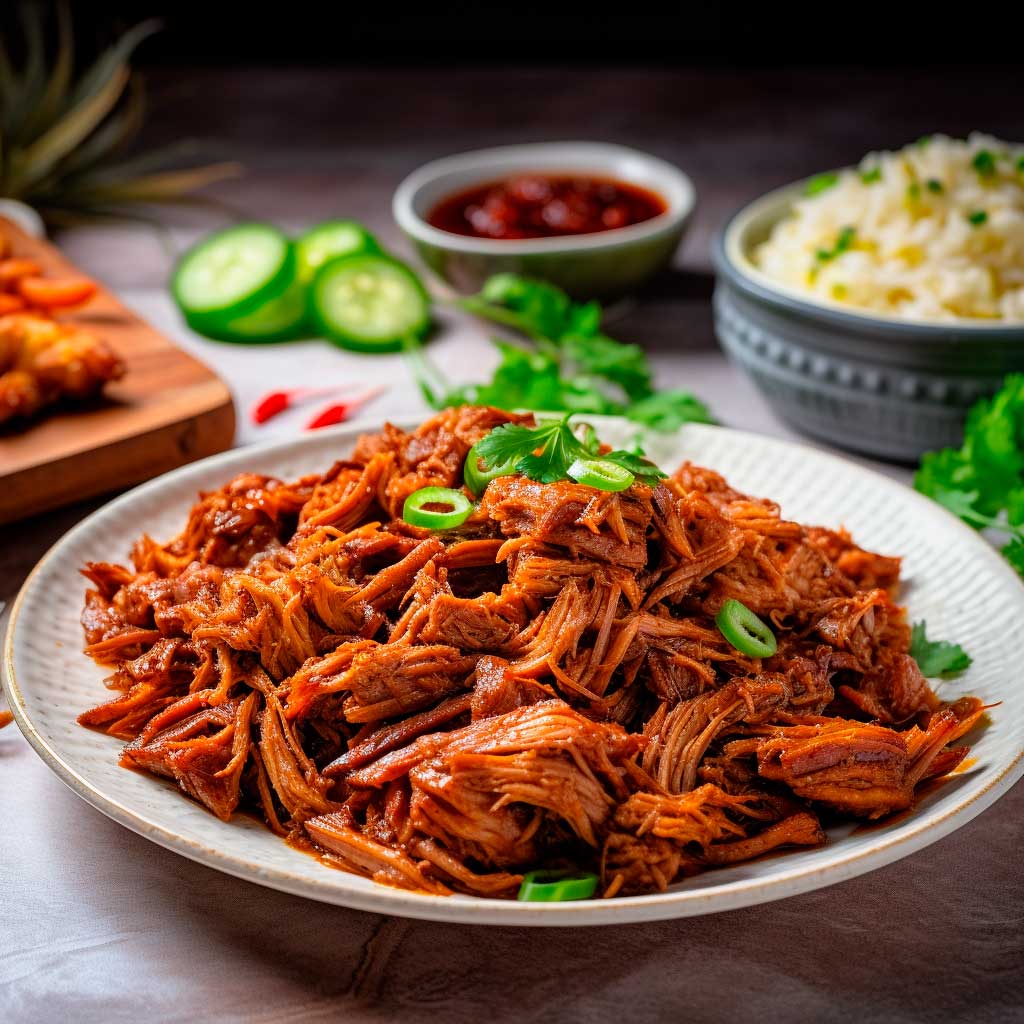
x=545, y=206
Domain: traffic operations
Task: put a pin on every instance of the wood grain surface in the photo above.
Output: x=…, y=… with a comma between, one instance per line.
x=167, y=409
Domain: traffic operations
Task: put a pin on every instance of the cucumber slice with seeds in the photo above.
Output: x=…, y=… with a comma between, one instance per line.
x=368, y=303
x=281, y=319
x=232, y=273
x=328, y=240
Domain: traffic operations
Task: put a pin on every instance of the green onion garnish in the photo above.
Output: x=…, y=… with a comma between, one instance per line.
x=843, y=242
x=914, y=192
x=477, y=476
x=557, y=886
x=977, y=218
x=934, y=185
x=923, y=141
x=600, y=473
x=1020, y=164
x=454, y=510
x=745, y=631
x=820, y=183
x=870, y=177
x=984, y=163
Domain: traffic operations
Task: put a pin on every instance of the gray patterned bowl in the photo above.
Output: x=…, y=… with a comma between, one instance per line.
x=873, y=384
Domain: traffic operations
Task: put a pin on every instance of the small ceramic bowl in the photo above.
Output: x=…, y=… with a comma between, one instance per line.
x=605, y=264
x=880, y=385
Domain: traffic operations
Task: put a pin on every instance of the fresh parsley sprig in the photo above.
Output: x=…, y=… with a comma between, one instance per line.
x=982, y=482
x=544, y=453
x=936, y=657
x=569, y=364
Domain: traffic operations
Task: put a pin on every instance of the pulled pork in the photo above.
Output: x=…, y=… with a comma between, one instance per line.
x=543, y=686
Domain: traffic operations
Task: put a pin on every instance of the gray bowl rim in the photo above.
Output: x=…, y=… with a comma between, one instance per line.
x=911, y=331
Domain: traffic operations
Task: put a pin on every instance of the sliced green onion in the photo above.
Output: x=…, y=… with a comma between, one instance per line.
x=977, y=218
x=600, y=473
x=455, y=508
x=984, y=163
x=557, y=886
x=477, y=478
x=745, y=631
x=820, y=183
x=934, y=185
x=871, y=176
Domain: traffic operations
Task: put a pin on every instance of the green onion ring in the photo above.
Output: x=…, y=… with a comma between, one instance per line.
x=477, y=479
x=557, y=886
x=457, y=510
x=601, y=473
x=745, y=631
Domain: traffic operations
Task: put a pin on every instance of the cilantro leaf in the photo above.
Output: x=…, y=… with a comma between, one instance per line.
x=544, y=453
x=936, y=657
x=643, y=469
x=669, y=410
x=571, y=365
x=982, y=482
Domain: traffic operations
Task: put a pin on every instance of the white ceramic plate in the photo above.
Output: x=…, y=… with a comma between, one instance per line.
x=955, y=581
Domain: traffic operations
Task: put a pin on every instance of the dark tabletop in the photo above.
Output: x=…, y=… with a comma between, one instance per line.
x=937, y=936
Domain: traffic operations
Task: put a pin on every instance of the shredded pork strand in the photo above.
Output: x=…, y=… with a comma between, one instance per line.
x=542, y=687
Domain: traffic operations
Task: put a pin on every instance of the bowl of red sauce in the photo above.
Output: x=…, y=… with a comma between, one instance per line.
x=594, y=218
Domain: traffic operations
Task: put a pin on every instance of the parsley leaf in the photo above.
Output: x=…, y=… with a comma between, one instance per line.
x=569, y=365
x=544, y=453
x=977, y=218
x=936, y=657
x=871, y=176
x=982, y=482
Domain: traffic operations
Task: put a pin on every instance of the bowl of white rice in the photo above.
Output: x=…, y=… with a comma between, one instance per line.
x=874, y=304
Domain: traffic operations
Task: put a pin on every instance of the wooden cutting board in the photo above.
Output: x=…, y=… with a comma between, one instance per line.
x=167, y=410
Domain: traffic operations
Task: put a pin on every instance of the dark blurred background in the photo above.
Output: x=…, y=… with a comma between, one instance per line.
x=767, y=35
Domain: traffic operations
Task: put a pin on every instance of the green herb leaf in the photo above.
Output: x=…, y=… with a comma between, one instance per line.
x=982, y=482
x=571, y=366
x=914, y=192
x=977, y=218
x=936, y=657
x=667, y=411
x=544, y=453
x=984, y=163
x=820, y=183
x=872, y=176
x=934, y=185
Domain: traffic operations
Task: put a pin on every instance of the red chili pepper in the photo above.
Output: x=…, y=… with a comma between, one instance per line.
x=276, y=402
x=338, y=412
x=271, y=405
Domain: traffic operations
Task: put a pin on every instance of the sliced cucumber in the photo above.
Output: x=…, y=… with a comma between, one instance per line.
x=280, y=319
x=232, y=273
x=368, y=303
x=328, y=240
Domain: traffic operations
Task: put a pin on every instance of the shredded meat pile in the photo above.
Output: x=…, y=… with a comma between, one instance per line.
x=543, y=687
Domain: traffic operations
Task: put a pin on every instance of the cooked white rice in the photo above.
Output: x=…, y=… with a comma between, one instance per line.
x=937, y=233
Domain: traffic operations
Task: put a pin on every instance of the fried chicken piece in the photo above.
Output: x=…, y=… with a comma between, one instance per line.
x=43, y=360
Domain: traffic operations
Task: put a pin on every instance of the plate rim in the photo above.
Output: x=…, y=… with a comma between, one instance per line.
x=912, y=836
